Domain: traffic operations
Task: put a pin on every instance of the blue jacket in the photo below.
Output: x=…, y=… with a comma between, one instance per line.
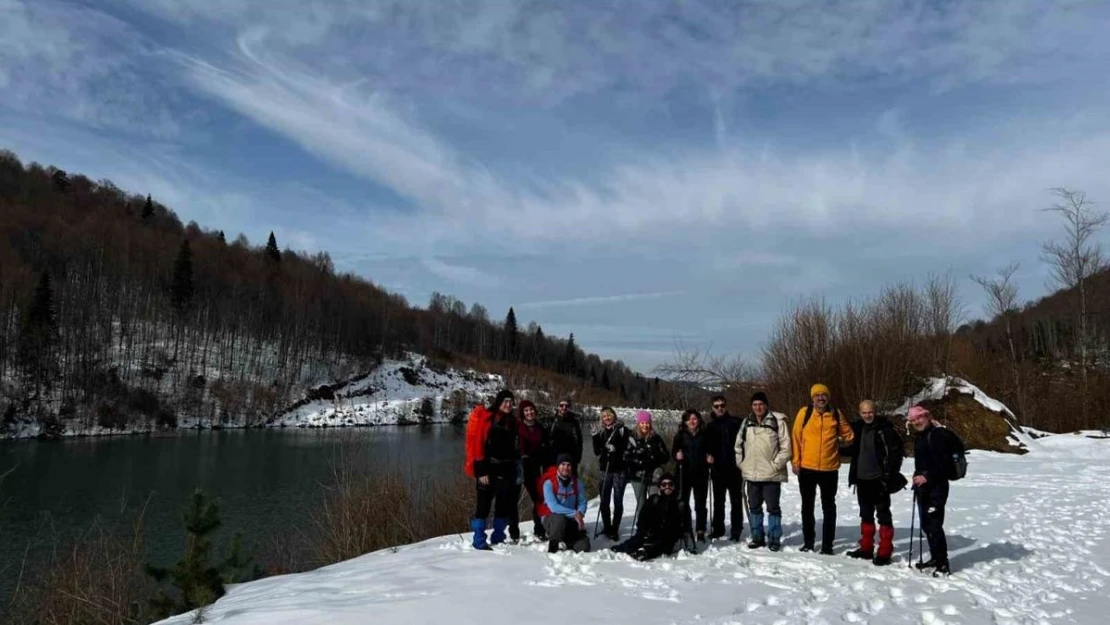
x=565, y=500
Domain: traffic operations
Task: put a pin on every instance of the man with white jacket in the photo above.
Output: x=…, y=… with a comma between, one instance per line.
x=762, y=451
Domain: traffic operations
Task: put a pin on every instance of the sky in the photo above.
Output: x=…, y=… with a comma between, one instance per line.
x=648, y=174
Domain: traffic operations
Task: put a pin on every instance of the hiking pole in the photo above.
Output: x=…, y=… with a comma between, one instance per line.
x=639, y=501
x=913, y=515
x=601, y=494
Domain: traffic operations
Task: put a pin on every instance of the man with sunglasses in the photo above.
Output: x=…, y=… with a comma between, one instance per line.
x=720, y=444
x=663, y=522
x=566, y=434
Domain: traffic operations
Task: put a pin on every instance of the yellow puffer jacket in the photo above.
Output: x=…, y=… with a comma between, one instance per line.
x=816, y=447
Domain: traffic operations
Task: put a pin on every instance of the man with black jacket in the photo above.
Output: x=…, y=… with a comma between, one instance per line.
x=725, y=475
x=566, y=434
x=931, y=452
x=876, y=454
x=663, y=522
x=610, y=442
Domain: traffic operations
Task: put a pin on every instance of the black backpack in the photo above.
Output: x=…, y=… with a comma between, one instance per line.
x=956, y=461
x=809, y=413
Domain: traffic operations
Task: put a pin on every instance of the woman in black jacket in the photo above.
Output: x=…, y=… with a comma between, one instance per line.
x=689, y=450
x=645, y=455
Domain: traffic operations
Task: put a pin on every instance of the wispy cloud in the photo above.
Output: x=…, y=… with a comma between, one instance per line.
x=601, y=299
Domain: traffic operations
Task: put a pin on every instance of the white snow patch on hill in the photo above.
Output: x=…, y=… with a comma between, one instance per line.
x=1028, y=538
x=938, y=388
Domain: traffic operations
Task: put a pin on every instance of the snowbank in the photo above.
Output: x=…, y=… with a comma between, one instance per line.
x=938, y=390
x=1004, y=528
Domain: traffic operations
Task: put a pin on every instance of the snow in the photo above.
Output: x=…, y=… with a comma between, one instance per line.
x=1028, y=538
x=937, y=389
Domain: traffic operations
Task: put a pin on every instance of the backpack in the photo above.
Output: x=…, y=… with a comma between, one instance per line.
x=809, y=413
x=774, y=425
x=955, y=465
x=477, y=428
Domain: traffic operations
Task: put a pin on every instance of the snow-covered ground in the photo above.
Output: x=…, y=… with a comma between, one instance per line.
x=1028, y=537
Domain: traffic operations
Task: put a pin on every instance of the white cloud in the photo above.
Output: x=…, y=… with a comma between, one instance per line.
x=596, y=300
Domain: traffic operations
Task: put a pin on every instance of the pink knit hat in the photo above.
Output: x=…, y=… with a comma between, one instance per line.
x=643, y=417
x=917, y=411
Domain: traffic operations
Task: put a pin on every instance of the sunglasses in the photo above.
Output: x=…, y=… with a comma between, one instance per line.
x=718, y=406
x=564, y=405
x=666, y=484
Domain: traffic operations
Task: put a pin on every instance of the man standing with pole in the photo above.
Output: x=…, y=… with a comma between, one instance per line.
x=725, y=476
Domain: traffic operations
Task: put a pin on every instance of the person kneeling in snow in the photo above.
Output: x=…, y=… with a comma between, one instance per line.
x=563, y=511
x=663, y=522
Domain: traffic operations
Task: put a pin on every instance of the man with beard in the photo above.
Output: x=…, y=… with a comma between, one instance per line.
x=663, y=523
x=564, y=507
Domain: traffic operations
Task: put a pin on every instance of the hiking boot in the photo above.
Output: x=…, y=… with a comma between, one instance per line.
x=514, y=533
x=552, y=546
x=734, y=538
x=479, y=527
x=716, y=533
x=498, y=535
x=756, y=543
x=861, y=554
x=775, y=546
x=882, y=560
x=928, y=564
x=826, y=551
x=942, y=569
x=701, y=536
x=806, y=548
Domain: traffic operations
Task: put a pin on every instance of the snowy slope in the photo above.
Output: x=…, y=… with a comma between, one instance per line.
x=938, y=388
x=1028, y=537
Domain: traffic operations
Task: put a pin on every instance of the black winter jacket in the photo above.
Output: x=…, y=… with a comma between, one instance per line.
x=663, y=521
x=931, y=455
x=643, y=456
x=694, y=448
x=566, y=437
x=502, y=449
x=617, y=436
x=720, y=442
x=888, y=450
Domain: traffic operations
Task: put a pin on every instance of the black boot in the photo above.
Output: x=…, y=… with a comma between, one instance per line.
x=539, y=531
x=928, y=564
x=514, y=532
x=757, y=543
x=552, y=546
x=861, y=554
x=881, y=561
x=942, y=569
x=806, y=548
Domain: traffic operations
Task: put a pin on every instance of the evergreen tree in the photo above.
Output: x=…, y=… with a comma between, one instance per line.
x=181, y=285
x=198, y=580
x=221, y=237
x=605, y=379
x=511, y=335
x=37, y=335
x=148, y=208
x=272, y=249
x=570, y=364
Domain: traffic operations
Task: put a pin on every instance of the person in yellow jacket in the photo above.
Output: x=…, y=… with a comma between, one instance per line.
x=816, y=438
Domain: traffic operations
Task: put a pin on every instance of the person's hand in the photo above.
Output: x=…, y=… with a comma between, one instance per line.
x=611, y=448
x=679, y=456
x=794, y=469
x=578, y=516
x=708, y=459
x=918, y=480
x=484, y=480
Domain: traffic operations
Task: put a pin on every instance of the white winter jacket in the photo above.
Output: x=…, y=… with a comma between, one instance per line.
x=762, y=450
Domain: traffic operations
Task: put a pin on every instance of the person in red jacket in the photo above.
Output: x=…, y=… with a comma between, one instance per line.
x=534, y=454
x=492, y=445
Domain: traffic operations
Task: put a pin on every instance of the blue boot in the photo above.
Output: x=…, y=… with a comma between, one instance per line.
x=755, y=520
x=479, y=527
x=498, y=535
x=774, y=531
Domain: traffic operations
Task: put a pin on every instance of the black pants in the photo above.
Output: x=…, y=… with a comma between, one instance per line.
x=612, y=490
x=732, y=483
x=498, y=495
x=696, y=482
x=931, y=499
x=641, y=547
x=874, y=500
x=808, y=483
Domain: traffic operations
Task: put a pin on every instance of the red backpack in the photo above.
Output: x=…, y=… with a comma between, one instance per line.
x=477, y=429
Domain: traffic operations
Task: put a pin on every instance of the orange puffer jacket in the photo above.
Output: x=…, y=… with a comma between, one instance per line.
x=815, y=446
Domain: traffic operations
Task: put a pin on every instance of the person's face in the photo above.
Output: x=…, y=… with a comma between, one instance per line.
x=563, y=406
x=820, y=400
x=719, y=407
x=759, y=408
x=867, y=412
x=692, y=422
x=644, y=428
x=506, y=405
x=565, y=469
x=608, y=418
x=529, y=414
x=666, y=486
x=920, y=422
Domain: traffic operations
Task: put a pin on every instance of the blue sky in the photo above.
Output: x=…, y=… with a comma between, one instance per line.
x=638, y=173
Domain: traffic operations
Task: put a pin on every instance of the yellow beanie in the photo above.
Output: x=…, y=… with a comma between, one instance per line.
x=817, y=389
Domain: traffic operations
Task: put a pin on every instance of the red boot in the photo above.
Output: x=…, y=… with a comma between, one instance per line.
x=886, y=545
x=866, y=542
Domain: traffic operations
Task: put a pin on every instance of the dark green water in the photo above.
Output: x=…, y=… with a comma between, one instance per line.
x=267, y=481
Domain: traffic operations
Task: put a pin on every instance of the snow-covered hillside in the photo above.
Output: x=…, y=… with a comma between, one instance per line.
x=939, y=389
x=1028, y=537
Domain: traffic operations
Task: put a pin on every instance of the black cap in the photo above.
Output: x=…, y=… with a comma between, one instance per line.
x=564, y=457
x=760, y=396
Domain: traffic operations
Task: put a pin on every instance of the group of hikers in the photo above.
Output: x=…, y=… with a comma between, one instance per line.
x=745, y=459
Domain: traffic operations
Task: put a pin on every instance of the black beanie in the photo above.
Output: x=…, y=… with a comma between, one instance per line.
x=564, y=457
x=760, y=396
x=501, y=396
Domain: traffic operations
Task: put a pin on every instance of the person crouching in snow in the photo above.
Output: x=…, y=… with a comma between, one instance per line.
x=762, y=452
x=876, y=473
x=563, y=511
x=663, y=522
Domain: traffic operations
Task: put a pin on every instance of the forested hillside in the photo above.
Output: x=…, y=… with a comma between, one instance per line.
x=113, y=312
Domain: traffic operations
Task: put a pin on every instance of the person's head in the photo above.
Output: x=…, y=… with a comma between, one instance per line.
x=564, y=465
x=760, y=405
x=667, y=485
x=608, y=417
x=643, y=422
x=919, y=418
x=720, y=406
x=527, y=411
x=563, y=407
x=867, y=410
x=819, y=393
x=503, y=402
x=691, y=419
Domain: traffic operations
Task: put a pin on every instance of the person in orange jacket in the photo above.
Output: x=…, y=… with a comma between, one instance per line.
x=819, y=432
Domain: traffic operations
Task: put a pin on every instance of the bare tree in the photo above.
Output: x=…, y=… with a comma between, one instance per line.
x=1002, y=303
x=1076, y=258
x=695, y=369
x=944, y=312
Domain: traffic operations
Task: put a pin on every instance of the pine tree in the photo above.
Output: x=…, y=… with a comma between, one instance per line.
x=148, y=208
x=512, y=337
x=570, y=364
x=221, y=237
x=272, y=249
x=37, y=335
x=605, y=379
x=198, y=581
x=181, y=285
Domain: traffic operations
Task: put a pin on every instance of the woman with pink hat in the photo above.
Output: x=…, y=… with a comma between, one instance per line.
x=645, y=454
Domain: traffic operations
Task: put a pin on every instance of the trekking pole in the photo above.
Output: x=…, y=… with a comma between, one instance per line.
x=601, y=494
x=913, y=515
x=639, y=502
